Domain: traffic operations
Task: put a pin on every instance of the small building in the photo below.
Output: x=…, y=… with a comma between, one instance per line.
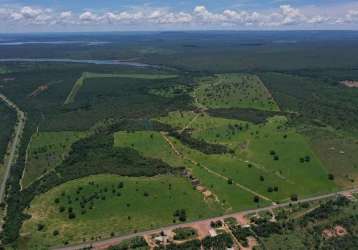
x=207, y=194
x=213, y=232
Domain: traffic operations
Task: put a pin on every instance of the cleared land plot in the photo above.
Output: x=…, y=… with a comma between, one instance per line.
x=266, y=155
x=350, y=84
x=88, y=75
x=104, y=204
x=46, y=151
x=339, y=155
x=152, y=144
x=234, y=91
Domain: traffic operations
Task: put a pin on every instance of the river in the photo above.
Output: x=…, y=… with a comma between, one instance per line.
x=97, y=62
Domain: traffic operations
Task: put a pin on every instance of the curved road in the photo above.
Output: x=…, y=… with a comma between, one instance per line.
x=14, y=144
x=117, y=240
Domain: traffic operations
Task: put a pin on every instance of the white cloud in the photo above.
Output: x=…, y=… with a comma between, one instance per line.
x=89, y=17
x=199, y=17
x=352, y=16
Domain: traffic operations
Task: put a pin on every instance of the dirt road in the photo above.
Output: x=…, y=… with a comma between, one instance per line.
x=14, y=144
x=116, y=240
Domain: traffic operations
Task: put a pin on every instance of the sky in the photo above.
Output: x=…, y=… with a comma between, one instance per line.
x=142, y=15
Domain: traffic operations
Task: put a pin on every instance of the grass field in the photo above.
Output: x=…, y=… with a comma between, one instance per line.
x=338, y=153
x=234, y=91
x=88, y=75
x=46, y=151
x=268, y=150
x=153, y=144
x=106, y=204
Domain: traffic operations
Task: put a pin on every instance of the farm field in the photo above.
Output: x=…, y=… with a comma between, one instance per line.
x=88, y=75
x=46, y=151
x=98, y=206
x=234, y=91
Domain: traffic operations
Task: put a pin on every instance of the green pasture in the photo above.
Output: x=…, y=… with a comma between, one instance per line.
x=272, y=150
x=46, y=151
x=106, y=205
x=234, y=91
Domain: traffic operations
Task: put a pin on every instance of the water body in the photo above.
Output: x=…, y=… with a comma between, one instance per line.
x=18, y=43
x=97, y=62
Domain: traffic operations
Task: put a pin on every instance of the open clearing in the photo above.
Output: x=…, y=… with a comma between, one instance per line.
x=234, y=91
x=153, y=144
x=46, y=151
x=88, y=75
x=268, y=150
x=339, y=156
x=106, y=204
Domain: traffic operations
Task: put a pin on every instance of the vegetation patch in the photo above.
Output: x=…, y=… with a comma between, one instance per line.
x=184, y=233
x=154, y=144
x=7, y=123
x=98, y=206
x=46, y=151
x=234, y=91
x=136, y=243
x=317, y=100
x=263, y=156
x=87, y=75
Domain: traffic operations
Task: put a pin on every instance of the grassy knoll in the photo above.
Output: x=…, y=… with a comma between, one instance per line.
x=46, y=151
x=88, y=75
x=266, y=155
x=97, y=206
x=234, y=91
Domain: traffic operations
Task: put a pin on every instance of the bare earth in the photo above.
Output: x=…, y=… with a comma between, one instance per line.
x=350, y=84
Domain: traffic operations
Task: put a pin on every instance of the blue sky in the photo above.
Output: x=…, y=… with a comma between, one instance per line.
x=94, y=15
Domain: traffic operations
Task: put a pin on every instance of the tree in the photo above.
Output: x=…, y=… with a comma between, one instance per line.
x=294, y=197
x=71, y=215
x=40, y=227
x=256, y=199
x=331, y=177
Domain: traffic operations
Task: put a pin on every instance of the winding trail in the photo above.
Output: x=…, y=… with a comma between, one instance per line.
x=11, y=156
x=211, y=171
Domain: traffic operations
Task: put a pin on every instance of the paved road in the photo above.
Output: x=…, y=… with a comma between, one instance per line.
x=14, y=144
x=116, y=240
